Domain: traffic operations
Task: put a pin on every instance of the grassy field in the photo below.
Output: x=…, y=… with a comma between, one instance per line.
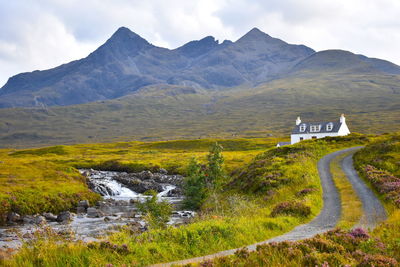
x=267, y=195
x=52, y=174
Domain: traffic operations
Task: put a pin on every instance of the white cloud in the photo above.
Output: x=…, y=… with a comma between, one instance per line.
x=45, y=33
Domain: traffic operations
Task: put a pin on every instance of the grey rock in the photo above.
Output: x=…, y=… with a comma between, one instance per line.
x=84, y=204
x=50, y=216
x=64, y=217
x=80, y=210
x=13, y=217
x=39, y=220
x=28, y=219
x=94, y=213
x=163, y=171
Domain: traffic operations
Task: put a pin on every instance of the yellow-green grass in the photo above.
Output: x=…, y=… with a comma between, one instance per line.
x=245, y=216
x=351, y=203
x=46, y=179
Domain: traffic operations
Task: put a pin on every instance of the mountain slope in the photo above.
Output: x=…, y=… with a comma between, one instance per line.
x=127, y=62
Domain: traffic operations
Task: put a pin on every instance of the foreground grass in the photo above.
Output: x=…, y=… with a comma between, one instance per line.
x=351, y=204
x=282, y=175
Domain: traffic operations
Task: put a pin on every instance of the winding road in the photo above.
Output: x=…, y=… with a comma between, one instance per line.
x=373, y=211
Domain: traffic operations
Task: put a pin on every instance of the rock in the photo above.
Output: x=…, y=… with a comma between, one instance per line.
x=163, y=171
x=144, y=175
x=64, y=217
x=39, y=220
x=94, y=213
x=107, y=219
x=50, y=216
x=84, y=204
x=13, y=217
x=80, y=210
x=29, y=219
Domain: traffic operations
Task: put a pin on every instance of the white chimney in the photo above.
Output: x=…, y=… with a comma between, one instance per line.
x=342, y=119
x=298, y=121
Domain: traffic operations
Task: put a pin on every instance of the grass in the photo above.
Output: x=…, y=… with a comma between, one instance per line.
x=244, y=216
x=51, y=172
x=351, y=204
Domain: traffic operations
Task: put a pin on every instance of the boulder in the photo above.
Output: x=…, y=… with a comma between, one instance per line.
x=13, y=217
x=94, y=213
x=163, y=171
x=50, y=216
x=84, y=204
x=80, y=210
x=29, y=219
x=39, y=220
x=64, y=217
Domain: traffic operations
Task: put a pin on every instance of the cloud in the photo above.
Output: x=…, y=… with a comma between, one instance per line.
x=45, y=33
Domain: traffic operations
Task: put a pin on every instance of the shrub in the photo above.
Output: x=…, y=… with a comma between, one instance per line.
x=156, y=213
x=293, y=208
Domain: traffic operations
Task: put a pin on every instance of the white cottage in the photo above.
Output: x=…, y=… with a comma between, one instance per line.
x=314, y=130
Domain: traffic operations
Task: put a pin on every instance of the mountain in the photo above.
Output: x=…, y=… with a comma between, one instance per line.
x=127, y=62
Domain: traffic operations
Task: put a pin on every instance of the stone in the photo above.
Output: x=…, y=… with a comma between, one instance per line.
x=94, y=213
x=107, y=219
x=64, y=217
x=39, y=220
x=80, y=210
x=29, y=219
x=84, y=204
x=163, y=171
x=13, y=217
x=50, y=216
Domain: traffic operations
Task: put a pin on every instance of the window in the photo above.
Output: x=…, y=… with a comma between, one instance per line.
x=301, y=138
x=315, y=128
x=302, y=127
x=329, y=126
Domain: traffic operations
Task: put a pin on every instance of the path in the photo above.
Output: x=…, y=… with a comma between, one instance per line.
x=373, y=210
x=330, y=213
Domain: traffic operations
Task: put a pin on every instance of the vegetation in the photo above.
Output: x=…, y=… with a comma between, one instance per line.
x=378, y=164
x=46, y=179
x=351, y=204
x=243, y=214
x=156, y=213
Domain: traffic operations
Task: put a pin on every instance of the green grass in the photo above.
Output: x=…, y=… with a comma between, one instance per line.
x=351, y=204
x=243, y=217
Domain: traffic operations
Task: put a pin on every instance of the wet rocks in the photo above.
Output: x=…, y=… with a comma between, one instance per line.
x=50, y=216
x=138, y=185
x=13, y=217
x=39, y=220
x=83, y=205
x=28, y=219
x=94, y=213
x=64, y=217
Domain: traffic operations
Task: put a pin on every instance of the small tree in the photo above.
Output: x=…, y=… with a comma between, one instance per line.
x=156, y=213
x=215, y=172
x=194, y=186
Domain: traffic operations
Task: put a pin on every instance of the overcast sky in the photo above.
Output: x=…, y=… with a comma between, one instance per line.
x=40, y=34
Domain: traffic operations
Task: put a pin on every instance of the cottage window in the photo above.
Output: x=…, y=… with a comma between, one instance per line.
x=302, y=128
x=315, y=128
x=329, y=126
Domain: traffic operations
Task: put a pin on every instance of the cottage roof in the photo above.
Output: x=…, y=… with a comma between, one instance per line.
x=322, y=129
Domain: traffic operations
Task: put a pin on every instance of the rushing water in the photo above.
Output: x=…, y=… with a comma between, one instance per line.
x=118, y=207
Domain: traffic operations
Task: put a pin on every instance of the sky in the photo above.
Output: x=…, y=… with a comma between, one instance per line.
x=41, y=34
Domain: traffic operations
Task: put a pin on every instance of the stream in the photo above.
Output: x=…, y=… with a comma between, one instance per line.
x=121, y=191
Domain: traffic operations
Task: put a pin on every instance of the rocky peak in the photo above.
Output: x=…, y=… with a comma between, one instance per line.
x=199, y=47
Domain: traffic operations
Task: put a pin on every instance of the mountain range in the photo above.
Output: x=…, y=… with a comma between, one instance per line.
x=126, y=63
x=253, y=87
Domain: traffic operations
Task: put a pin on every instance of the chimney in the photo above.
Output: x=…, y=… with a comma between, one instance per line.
x=342, y=119
x=298, y=121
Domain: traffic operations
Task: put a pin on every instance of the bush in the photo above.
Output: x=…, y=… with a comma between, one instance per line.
x=293, y=208
x=156, y=213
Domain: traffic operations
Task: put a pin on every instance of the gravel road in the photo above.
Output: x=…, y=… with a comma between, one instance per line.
x=330, y=213
x=373, y=210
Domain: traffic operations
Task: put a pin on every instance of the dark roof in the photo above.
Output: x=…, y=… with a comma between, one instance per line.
x=335, y=129
x=283, y=143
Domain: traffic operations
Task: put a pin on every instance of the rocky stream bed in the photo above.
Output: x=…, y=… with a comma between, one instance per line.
x=121, y=191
